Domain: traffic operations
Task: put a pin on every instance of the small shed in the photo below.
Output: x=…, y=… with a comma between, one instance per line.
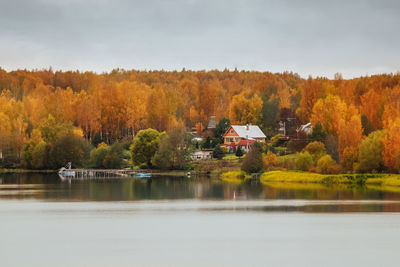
x=212, y=123
x=202, y=154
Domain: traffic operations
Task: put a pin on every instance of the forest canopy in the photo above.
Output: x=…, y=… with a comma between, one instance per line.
x=118, y=104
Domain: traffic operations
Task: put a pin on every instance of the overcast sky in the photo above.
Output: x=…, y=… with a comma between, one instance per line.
x=317, y=38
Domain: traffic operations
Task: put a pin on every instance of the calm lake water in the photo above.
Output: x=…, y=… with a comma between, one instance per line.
x=194, y=222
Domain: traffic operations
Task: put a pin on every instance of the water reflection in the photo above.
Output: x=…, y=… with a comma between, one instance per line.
x=49, y=187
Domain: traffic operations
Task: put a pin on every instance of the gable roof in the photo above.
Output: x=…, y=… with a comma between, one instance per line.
x=253, y=132
x=212, y=124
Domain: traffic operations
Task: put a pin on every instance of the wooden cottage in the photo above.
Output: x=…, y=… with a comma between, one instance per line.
x=243, y=136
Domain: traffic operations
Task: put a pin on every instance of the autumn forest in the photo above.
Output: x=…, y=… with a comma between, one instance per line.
x=41, y=105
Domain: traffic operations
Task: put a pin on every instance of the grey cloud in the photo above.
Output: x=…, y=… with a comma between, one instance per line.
x=309, y=37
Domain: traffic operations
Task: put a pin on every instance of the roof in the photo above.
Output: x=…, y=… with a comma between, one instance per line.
x=212, y=124
x=305, y=127
x=253, y=132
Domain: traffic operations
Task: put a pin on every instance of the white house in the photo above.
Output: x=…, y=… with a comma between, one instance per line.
x=202, y=154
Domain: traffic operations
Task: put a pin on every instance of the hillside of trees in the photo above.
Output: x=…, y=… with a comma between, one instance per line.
x=42, y=111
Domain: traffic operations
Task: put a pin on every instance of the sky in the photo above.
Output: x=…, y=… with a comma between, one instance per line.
x=315, y=37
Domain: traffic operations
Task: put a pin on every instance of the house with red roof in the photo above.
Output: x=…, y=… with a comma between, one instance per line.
x=243, y=136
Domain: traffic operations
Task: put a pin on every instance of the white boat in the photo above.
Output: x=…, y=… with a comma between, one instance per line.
x=143, y=175
x=66, y=173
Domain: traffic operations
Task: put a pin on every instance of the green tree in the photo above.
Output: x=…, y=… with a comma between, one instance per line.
x=34, y=150
x=253, y=161
x=174, y=150
x=144, y=146
x=97, y=156
x=39, y=156
x=331, y=145
x=51, y=130
x=370, y=153
x=304, y=161
x=218, y=153
x=68, y=148
x=162, y=158
x=269, y=115
x=114, y=157
x=97, y=139
x=366, y=125
x=206, y=143
x=317, y=134
x=222, y=126
x=239, y=152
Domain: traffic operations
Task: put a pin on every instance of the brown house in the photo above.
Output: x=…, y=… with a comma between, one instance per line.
x=243, y=136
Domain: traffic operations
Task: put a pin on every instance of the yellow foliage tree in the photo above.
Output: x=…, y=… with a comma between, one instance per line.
x=245, y=109
x=329, y=112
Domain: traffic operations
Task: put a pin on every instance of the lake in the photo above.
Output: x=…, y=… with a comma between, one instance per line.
x=194, y=222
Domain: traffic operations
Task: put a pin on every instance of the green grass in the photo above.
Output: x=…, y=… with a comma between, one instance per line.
x=231, y=156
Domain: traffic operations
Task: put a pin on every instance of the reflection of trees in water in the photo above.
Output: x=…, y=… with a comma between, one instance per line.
x=325, y=192
x=49, y=186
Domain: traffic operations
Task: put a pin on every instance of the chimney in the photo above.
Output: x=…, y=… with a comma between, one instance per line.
x=247, y=127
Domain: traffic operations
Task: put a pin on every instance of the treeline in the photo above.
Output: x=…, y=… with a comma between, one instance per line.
x=114, y=106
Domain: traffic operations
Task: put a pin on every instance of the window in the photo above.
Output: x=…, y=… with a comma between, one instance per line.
x=232, y=131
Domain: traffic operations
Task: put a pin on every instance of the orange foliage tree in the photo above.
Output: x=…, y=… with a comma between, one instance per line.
x=391, y=145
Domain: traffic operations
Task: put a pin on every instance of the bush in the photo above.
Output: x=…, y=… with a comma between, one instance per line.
x=348, y=158
x=218, y=153
x=275, y=140
x=326, y=165
x=114, y=158
x=316, y=150
x=108, y=157
x=270, y=160
x=239, y=152
x=97, y=156
x=304, y=161
x=289, y=163
x=253, y=162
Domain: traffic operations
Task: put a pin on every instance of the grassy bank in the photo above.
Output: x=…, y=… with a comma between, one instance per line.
x=307, y=177
x=233, y=176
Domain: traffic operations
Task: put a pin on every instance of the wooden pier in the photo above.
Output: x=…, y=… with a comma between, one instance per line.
x=67, y=173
